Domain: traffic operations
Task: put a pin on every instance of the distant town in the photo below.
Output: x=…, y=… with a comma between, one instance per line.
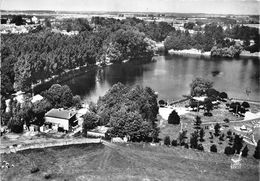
x=130, y=132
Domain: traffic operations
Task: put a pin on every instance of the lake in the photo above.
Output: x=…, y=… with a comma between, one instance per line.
x=171, y=76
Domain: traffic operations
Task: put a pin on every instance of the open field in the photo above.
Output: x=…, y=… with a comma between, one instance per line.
x=132, y=162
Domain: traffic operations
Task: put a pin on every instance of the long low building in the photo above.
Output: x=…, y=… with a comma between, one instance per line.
x=60, y=118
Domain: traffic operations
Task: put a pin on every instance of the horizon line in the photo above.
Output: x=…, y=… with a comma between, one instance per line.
x=167, y=12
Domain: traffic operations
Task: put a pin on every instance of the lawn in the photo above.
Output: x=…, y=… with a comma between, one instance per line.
x=132, y=162
x=219, y=114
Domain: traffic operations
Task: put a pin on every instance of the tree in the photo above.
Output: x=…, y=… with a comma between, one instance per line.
x=199, y=86
x=208, y=105
x=202, y=134
x=213, y=148
x=235, y=107
x=15, y=124
x=245, y=151
x=182, y=137
x=238, y=143
x=197, y=122
x=217, y=129
x=245, y=105
x=212, y=93
x=229, y=150
x=194, y=140
x=59, y=96
x=167, y=140
x=174, y=118
x=26, y=113
x=229, y=133
x=174, y=142
x=90, y=122
x=223, y=95
x=221, y=138
x=18, y=20
x=5, y=117
x=257, y=150
x=162, y=103
x=76, y=101
x=39, y=109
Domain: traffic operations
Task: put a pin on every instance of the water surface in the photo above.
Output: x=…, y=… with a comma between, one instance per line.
x=171, y=76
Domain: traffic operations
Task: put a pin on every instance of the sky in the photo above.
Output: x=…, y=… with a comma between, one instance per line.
x=179, y=6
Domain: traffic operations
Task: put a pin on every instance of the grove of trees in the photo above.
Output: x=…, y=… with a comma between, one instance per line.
x=129, y=112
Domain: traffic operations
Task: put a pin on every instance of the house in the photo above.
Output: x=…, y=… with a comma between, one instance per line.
x=19, y=96
x=60, y=118
x=34, y=19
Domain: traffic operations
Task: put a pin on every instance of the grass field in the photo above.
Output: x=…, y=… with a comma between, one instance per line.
x=132, y=162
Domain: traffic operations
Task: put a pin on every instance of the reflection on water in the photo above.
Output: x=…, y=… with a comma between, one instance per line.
x=172, y=75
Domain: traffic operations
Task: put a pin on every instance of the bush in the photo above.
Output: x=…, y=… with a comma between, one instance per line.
x=194, y=140
x=208, y=114
x=186, y=145
x=202, y=134
x=229, y=150
x=223, y=95
x=174, y=143
x=47, y=175
x=238, y=143
x=229, y=133
x=174, y=118
x=167, y=140
x=217, y=129
x=245, y=105
x=182, y=137
x=257, y=150
x=162, y=103
x=15, y=124
x=226, y=120
x=35, y=169
x=245, y=151
x=200, y=147
x=221, y=138
x=213, y=148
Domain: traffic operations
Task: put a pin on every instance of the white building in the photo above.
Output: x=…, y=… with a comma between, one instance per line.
x=59, y=118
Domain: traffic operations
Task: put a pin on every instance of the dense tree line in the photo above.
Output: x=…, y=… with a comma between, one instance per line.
x=215, y=39
x=29, y=58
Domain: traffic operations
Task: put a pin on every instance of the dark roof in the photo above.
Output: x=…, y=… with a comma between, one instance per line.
x=60, y=113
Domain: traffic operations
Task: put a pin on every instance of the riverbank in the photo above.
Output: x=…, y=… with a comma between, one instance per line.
x=248, y=54
x=192, y=51
x=195, y=52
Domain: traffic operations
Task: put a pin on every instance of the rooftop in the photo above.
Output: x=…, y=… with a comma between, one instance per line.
x=60, y=113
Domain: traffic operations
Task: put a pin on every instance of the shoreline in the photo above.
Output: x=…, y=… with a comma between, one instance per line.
x=75, y=72
x=195, y=52
x=192, y=51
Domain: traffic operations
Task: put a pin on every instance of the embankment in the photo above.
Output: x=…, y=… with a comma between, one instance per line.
x=193, y=52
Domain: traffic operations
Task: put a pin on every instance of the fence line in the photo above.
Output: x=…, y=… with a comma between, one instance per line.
x=50, y=144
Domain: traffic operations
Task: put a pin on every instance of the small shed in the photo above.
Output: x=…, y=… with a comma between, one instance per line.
x=60, y=118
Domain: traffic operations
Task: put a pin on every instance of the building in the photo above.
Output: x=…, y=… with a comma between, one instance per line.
x=36, y=98
x=60, y=118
